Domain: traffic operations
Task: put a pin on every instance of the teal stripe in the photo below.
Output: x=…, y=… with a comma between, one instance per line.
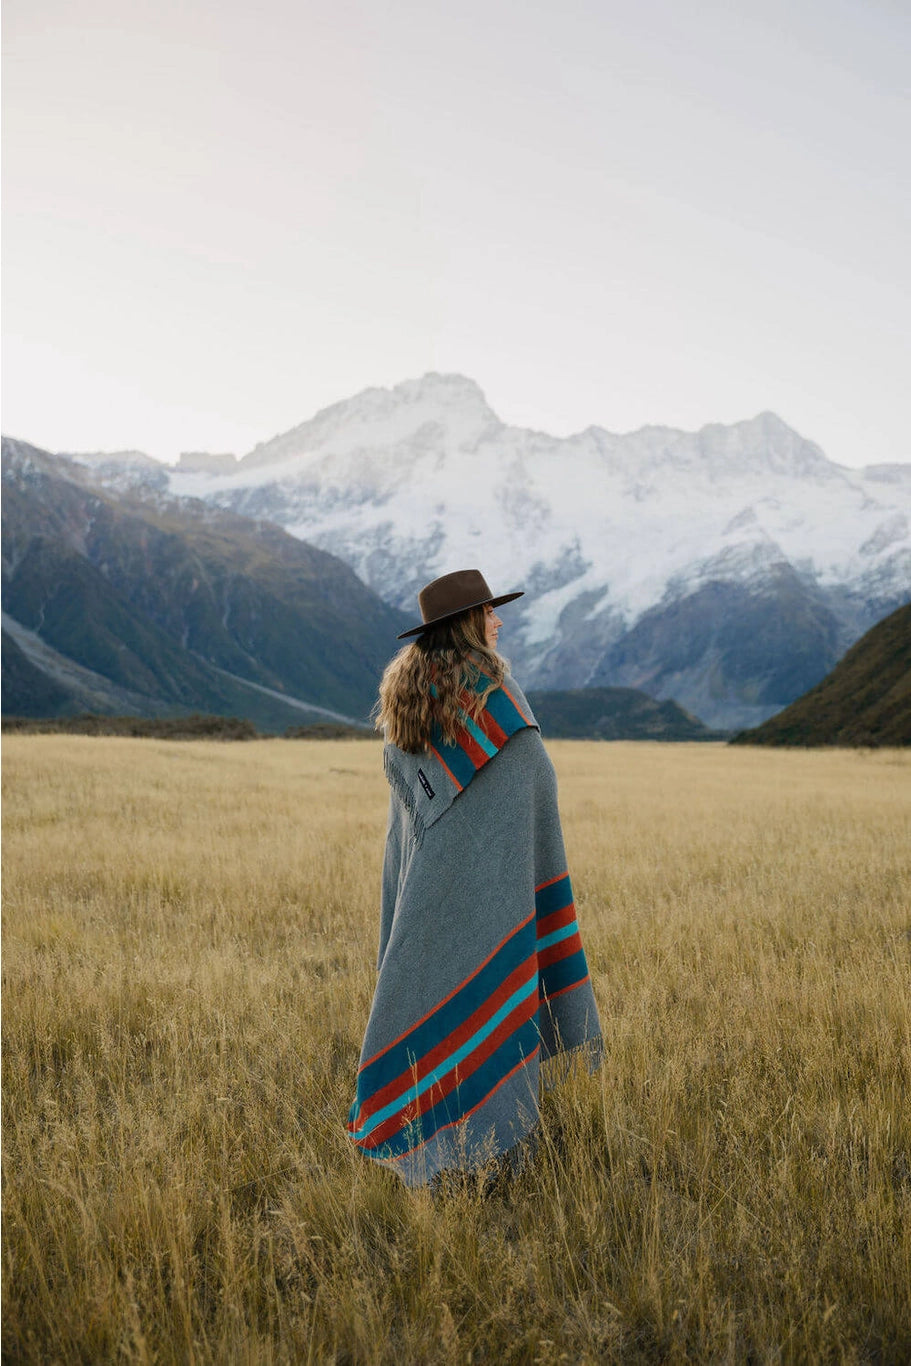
x=469, y=996
x=568, y=972
x=452, y=1061
x=553, y=897
x=557, y=935
x=475, y=731
x=505, y=712
x=516, y=1051
x=460, y=765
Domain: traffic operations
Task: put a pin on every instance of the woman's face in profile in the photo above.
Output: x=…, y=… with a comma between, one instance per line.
x=492, y=624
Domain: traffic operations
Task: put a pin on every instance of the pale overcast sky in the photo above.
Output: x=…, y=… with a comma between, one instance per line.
x=219, y=218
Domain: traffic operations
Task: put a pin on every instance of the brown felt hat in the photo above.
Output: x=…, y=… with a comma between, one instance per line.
x=452, y=594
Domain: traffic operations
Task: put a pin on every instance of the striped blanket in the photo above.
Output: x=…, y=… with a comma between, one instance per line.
x=482, y=975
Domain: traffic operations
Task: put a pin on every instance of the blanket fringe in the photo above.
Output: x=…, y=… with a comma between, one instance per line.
x=557, y=1068
x=404, y=792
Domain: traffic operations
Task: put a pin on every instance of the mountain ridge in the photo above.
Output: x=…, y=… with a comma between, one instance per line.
x=642, y=555
x=143, y=606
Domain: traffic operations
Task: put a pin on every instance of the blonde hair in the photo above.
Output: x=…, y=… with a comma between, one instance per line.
x=427, y=682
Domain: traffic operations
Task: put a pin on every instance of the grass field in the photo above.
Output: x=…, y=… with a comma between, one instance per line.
x=189, y=947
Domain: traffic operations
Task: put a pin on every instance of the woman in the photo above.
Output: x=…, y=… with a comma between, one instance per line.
x=482, y=975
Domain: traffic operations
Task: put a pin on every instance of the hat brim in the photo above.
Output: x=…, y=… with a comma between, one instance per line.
x=447, y=616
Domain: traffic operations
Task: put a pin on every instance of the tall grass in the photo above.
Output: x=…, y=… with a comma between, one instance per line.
x=189, y=944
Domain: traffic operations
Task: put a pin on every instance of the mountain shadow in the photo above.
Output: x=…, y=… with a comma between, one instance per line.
x=727, y=649
x=614, y=714
x=865, y=700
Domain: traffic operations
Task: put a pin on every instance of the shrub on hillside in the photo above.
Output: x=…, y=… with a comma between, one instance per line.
x=194, y=727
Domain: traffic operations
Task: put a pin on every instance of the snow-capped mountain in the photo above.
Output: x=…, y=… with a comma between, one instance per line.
x=728, y=568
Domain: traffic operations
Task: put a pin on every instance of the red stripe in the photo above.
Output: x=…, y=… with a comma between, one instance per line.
x=550, y=882
x=455, y=1077
x=525, y=1010
x=447, y=768
x=452, y=1123
x=564, y=949
x=471, y=747
x=454, y=992
x=556, y=920
x=441, y=1051
x=491, y=728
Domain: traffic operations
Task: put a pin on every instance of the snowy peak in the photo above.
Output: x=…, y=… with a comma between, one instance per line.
x=707, y=566
x=754, y=449
x=377, y=417
x=391, y=477
x=454, y=392
x=764, y=444
x=390, y=481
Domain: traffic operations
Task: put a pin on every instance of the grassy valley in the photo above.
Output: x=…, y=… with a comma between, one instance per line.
x=189, y=942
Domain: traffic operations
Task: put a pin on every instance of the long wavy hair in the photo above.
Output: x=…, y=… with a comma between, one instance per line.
x=434, y=678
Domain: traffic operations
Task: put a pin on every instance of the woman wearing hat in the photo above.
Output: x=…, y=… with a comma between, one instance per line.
x=482, y=974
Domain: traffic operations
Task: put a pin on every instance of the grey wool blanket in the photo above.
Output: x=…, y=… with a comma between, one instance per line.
x=482, y=975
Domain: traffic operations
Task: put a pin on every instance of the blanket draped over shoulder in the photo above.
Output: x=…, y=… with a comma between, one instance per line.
x=482, y=974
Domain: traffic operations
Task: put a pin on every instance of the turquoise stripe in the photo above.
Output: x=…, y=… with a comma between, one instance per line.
x=557, y=935
x=516, y=1051
x=452, y=1061
x=469, y=996
x=460, y=764
x=475, y=731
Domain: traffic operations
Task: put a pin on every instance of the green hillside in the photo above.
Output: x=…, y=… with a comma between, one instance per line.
x=114, y=603
x=865, y=700
x=27, y=690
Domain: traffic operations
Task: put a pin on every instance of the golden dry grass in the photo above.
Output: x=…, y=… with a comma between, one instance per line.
x=189, y=944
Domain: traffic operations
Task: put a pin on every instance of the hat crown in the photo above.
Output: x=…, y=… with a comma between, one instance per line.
x=452, y=593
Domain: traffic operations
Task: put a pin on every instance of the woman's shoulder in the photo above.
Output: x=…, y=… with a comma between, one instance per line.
x=515, y=696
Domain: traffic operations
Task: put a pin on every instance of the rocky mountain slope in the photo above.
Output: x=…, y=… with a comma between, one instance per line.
x=865, y=700
x=727, y=568
x=118, y=604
